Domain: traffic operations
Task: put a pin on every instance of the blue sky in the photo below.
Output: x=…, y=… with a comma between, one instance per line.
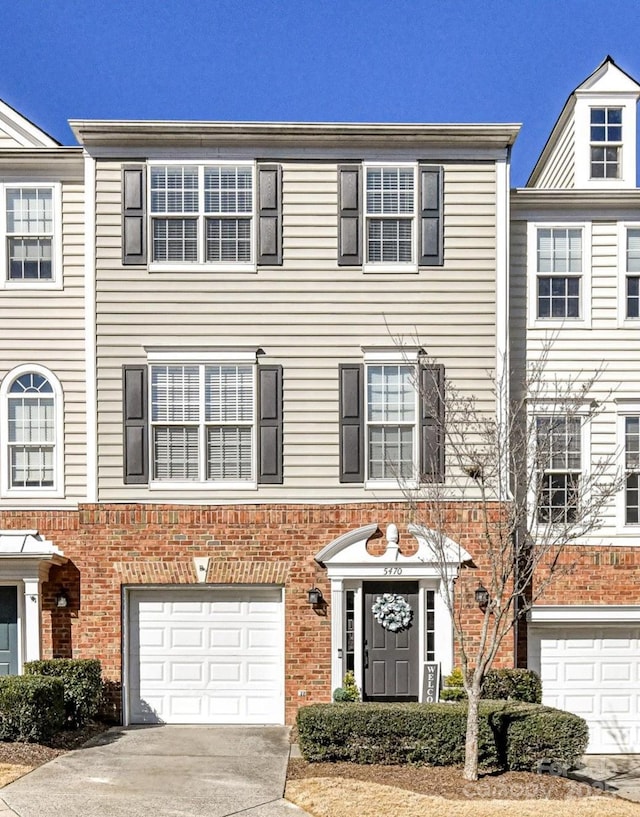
x=317, y=60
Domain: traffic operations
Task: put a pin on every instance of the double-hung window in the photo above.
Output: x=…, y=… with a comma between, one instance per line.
x=559, y=269
x=202, y=214
x=632, y=469
x=605, y=135
x=31, y=254
x=31, y=433
x=632, y=276
x=559, y=466
x=390, y=215
x=202, y=423
x=392, y=416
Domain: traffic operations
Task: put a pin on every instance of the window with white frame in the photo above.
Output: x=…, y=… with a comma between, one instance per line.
x=390, y=215
x=31, y=433
x=559, y=272
x=632, y=278
x=29, y=220
x=559, y=467
x=632, y=470
x=605, y=134
x=392, y=417
x=202, y=422
x=202, y=214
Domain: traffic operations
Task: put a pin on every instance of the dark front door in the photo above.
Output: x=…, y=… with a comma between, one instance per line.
x=8, y=630
x=390, y=658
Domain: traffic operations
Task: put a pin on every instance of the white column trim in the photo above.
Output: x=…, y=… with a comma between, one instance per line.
x=502, y=309
x=31, y=620
x=90, y=328
x=337, y=629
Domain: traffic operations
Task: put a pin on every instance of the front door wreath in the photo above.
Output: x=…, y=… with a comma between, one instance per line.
x=392, y=611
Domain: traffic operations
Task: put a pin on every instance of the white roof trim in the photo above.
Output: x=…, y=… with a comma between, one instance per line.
x=28, y=543
x=22, y=130
x=585, y=614
x=347, y=556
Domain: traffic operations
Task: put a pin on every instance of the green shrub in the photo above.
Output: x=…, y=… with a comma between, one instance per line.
x=498, y=685
x=82, y=682
x=391, y=733
x=349, y=691
x=513, y=685
x=31, y=708
x=454, y=679
x=453, y=694
x=511, y=735
x=541, y=733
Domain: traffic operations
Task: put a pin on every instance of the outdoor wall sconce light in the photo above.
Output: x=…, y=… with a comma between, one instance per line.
x=314, y=597
x=482, y=597
x=62, y=598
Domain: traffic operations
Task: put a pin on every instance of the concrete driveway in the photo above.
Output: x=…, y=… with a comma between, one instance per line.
x=161, y=771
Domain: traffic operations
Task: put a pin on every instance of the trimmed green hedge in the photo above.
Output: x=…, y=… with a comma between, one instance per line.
x=511, y=735
x=31, y=707
x=82, y=683
x=499, y=685
x=512, y=685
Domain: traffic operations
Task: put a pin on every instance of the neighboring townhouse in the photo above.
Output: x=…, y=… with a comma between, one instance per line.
x=575, y=259
x=43, y=367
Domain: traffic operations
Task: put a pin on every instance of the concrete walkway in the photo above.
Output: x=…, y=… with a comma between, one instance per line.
x=161, y=771
x=619, y=774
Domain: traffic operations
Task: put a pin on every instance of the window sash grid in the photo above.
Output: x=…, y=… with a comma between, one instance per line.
x=243, y=247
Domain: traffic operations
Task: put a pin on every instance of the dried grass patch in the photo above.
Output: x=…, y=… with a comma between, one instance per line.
x=340, y=797
x=12, y=771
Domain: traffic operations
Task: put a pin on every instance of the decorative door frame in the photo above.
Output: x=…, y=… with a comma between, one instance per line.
x=349, y=564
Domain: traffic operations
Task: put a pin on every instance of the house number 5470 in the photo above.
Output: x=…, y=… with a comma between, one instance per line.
x=392, y=571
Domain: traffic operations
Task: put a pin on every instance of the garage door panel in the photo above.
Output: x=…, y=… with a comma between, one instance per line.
x=616, y=672
x=594, y=672
x=211, y=655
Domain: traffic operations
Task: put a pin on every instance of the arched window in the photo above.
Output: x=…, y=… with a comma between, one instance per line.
x=32, y=431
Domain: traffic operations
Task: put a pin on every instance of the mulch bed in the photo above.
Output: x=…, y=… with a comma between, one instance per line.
x=448, y=782
x=34, y=754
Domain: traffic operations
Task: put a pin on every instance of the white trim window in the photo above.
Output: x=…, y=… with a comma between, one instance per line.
x=631, y=469
x=31, y=251
x=203, y=423
x=202, y=215
x=605, y=140
x=632, y=273
x=32, y=433
x=559, y=272
x=390, y=220
x=392, y=423
x=559, y=468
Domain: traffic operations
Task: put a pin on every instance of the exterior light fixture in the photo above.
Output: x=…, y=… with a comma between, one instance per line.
x=315, y=597
x=482, y=597
x=62, y=598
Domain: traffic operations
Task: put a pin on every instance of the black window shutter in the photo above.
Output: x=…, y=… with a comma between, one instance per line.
x=431, y=215
x=134, y=227
x=270, y=427
x=351, y=422
x=349, y=215
x=134, y=409
x=270, y=215
x=432, y=423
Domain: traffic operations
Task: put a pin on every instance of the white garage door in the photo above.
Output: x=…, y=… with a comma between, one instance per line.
x=594, y=672
x=206, y=656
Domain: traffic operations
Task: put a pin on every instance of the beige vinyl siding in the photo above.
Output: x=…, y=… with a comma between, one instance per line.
x=606, y=350
x=308, y=315
x=560, y=168
x=47, y=328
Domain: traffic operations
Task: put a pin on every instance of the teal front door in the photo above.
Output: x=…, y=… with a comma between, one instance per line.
x=8, y=630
